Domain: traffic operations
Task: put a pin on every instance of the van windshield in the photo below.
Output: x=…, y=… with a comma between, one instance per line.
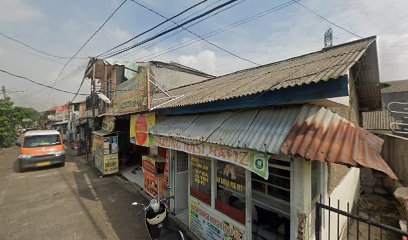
x=41, y=141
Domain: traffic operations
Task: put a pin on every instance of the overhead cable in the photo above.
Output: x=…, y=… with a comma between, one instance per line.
x=152, y=28
x=33, y=48
x=173, y=28
x=199, y=36
x=89, y=39
x=220, y=30
x=327, y=20
x=38, y=83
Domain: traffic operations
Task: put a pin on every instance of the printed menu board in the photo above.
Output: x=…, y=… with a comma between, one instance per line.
x=206, y=224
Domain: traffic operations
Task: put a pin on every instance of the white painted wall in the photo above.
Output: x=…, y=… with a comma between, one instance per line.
x=347, y=191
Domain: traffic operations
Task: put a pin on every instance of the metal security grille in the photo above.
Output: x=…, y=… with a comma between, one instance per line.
x=182, y=161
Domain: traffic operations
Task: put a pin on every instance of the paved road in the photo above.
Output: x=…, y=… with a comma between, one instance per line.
x=69, y=202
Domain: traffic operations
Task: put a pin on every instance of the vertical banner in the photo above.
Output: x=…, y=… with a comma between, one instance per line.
x=140, y=125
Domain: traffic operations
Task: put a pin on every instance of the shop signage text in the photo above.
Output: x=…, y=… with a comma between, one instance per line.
x=131, y=96
x=249, y=159
x=208, y=225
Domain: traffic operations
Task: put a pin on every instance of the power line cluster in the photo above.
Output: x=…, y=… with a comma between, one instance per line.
x=179, y=26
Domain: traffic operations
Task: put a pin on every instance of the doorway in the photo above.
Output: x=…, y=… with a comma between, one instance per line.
x=181, y=186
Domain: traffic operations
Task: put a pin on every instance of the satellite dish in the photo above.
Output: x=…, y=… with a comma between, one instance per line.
x=103, y=97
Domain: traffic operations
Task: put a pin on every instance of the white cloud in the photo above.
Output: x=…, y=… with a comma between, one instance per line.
x=204, y=61
x=119, y=34
x=17, y=11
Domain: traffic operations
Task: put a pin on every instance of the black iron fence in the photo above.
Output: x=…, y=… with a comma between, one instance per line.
x=353, y=227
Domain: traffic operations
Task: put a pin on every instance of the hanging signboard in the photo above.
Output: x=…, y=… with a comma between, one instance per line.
x=140, y=125
x=131, y=96
x=205, y=224
x=252, y=160
x=108, y=123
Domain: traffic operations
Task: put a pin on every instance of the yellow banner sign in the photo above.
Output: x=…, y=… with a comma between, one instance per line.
x=131, y=96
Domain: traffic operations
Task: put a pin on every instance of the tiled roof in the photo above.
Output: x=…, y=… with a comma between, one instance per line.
x=395, y=86
x=377, y=120
x=330, y=63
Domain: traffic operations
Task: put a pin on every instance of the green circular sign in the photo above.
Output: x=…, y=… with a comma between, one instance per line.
x=259, y=164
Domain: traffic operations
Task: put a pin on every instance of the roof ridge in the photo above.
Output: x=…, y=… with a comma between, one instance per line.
x=284, y=60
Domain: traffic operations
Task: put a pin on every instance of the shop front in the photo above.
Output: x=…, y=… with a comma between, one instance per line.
x=231, y=193
x=237, y=184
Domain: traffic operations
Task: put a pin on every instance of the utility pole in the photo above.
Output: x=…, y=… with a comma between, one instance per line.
x=93, y=94
x=3, y=89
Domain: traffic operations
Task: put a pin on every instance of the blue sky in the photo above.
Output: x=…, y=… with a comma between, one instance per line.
x=61, y=27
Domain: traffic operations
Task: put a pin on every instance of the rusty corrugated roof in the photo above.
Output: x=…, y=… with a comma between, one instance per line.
x=322, y=135
x=323, y=65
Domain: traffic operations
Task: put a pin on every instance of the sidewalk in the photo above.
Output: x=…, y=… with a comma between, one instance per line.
x=126, y=177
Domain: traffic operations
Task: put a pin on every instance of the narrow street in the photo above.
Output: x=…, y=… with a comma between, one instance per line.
x=69, y=202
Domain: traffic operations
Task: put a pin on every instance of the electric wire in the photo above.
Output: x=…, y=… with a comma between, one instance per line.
x=177, y=32
x=38, y=83
x=327, y=20
x=33, y=48
x=89, y=39
x=152, y=28
x=173, y=28
x=220, y=30
x=133, y=53
x=199, y=36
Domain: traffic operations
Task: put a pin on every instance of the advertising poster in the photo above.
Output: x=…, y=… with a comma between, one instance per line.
x=140, y=125
x=106, y=144
x=131, y=96
x=167, y=169
x=114, y=144
x=205, y=224
x=252, y=160
x=108, y=123
x=111, y=164
x=153, y=184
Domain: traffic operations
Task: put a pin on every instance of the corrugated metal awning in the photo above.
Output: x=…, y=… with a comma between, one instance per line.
x=322, y=135
x=262, y=130
x=308, y=131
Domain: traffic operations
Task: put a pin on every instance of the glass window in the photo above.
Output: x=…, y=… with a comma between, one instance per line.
x=200, y=181
x=275, y=191
x=230, y=198
x=41, y=141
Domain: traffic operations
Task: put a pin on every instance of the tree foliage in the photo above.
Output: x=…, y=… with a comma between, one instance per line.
x=7, y=123
x=12, y=117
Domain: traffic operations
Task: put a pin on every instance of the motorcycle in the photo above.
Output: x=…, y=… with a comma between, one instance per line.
x=156, y=214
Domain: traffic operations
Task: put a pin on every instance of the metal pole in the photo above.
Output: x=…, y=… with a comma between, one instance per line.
x=317, y=222
x=93, y=95
x=3, y=89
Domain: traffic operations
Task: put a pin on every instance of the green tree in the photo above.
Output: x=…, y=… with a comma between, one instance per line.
x=12, y=117
x=7, y=123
